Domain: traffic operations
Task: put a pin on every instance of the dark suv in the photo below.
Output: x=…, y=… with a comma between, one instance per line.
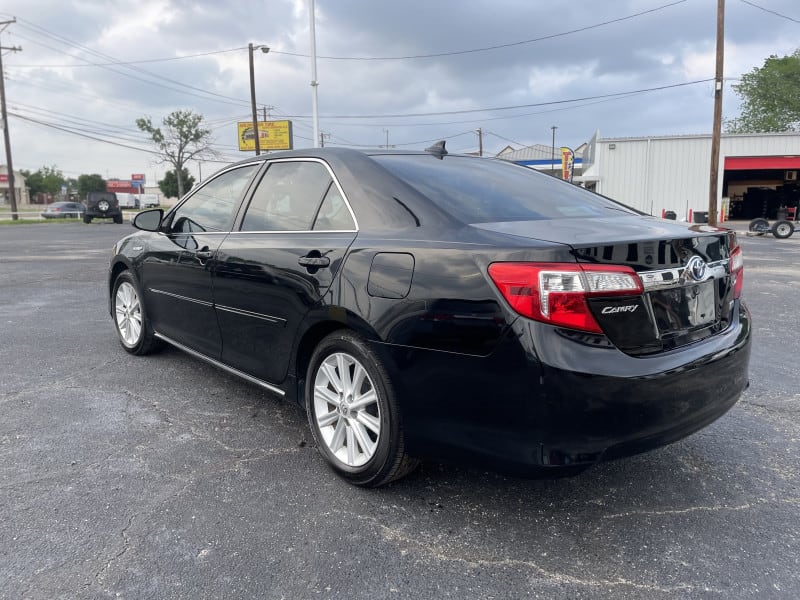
x=103, y=205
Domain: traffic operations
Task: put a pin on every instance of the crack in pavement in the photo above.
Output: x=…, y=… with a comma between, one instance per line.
x=690, y=509
x=125, y=545
x=397, y=536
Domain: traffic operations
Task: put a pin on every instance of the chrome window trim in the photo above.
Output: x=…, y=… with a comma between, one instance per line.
x=296, y=231
x=221, y=365
x=336, y=183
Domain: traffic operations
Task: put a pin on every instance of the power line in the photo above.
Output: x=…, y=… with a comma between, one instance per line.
x=436, y=139
x=772, y=12
x=83, y=135
x=106, y=140
x=66, y=41
x=115, y=62
x=505, y=139
x=503, y=108
x=489, y=48
x=138, y=62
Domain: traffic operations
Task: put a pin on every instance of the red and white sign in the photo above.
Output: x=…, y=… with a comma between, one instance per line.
x=117, y=184
x=3, y=178
x=137, y=177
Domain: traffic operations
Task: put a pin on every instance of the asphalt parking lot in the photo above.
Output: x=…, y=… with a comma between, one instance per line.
x=162, y=477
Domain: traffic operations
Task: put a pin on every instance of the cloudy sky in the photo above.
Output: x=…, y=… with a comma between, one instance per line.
x=415, y=71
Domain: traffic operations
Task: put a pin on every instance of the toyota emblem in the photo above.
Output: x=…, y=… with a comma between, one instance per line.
x=695, y=269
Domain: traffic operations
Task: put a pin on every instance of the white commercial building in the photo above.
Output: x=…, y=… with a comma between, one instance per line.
x=757, y=173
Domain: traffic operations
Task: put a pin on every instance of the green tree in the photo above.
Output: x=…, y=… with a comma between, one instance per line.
x=182, y=139
x=770, y=97
x=90, y=183
x=169, y=185
x=46, y=180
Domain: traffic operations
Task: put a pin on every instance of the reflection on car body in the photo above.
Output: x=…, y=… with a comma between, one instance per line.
x=420, y=305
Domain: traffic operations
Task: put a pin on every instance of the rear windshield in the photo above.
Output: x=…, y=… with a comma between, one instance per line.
x=486, y=191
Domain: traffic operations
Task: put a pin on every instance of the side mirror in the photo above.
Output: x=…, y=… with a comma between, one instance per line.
x=149, y=220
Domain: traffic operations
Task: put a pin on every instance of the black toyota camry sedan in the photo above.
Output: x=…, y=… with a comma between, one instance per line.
x=421, y=305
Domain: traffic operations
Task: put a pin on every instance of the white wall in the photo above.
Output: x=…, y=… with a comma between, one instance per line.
x=672, y=173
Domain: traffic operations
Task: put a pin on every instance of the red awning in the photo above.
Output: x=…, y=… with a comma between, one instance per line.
x=761, y=163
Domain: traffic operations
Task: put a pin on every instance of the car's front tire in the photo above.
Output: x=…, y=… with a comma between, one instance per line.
x=353, y=413
x=118, y=219
x=130, y=317
x=87, y=219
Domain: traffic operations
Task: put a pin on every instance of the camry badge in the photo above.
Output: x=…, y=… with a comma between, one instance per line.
x=695, y=269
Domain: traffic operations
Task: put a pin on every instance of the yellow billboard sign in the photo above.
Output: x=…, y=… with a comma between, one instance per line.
x=272, y=135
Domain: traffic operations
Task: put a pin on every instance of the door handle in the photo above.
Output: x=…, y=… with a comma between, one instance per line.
x=314, y=261
x=204, y=254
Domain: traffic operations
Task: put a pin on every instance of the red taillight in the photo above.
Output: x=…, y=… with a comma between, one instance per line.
x=737, y=271
x=556, y=293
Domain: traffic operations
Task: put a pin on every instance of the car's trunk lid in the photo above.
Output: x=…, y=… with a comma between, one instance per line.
x=685, y=271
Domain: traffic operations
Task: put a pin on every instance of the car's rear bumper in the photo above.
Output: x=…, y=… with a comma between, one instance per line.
x=521, y=408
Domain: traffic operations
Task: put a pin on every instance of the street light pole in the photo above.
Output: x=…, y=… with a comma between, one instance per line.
x=314, y=84
x=553, y=156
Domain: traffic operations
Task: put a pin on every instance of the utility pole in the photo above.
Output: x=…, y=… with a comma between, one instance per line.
x=715, y=136
x=480, y=141
x=253, y=99
x=322, y=137
x=386, y=131
x=553, y=155
x=12, y=195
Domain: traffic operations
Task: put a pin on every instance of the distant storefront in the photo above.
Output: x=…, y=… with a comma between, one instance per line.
x=21, y=192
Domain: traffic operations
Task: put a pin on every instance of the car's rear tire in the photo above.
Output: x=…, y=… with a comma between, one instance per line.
x=87, y=219
x=353, y=412
x=118, y=219
x=783, y=229
x=130, y=317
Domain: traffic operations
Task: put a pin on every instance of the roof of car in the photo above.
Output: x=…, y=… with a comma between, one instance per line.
x=337, y=152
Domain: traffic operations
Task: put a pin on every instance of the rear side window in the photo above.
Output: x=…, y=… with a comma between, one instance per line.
x=486, y=191
x=287, y=197
x=333, y=214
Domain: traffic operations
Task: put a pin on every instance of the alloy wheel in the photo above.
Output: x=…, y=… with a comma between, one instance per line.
x=347, y=410
x=128, y=314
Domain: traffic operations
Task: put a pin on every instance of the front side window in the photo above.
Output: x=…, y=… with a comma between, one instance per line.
x=287, y=197
x=212, y=207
